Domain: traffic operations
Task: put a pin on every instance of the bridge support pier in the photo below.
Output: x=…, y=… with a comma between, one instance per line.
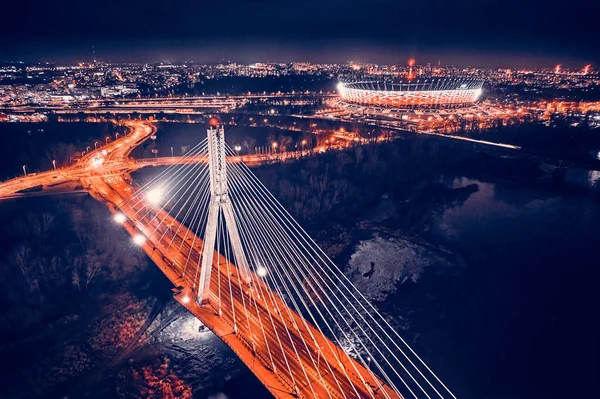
x=219, y=203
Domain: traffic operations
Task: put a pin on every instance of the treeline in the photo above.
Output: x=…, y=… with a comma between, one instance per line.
x=56, y=255
x=339, y=186
x=560, y=139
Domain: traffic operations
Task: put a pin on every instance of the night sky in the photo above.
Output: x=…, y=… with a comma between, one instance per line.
x=479, y=33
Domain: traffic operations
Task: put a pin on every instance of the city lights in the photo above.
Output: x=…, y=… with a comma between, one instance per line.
x=373, y=108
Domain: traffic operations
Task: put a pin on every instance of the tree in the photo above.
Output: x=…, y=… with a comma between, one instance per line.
x=284, y=142
x=154, y=381
x=249, y=144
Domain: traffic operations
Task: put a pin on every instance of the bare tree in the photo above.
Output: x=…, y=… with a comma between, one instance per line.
x=249, y=144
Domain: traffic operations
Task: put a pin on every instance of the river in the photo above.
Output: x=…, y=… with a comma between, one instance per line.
x=507, y=310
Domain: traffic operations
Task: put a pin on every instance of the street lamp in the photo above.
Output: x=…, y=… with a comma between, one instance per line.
x=95, y=145
x=139, y=239
x=87, y=148
x=116, y=135
x=154, y=196
x=171, y=152
x=274, y=145
x=119, y=218
x=261, y=271
x=237, y=149
x=54, y=164
x=25, y=170
x=107, y=138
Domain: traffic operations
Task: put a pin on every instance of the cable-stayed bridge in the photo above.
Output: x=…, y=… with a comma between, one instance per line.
x=243, y=266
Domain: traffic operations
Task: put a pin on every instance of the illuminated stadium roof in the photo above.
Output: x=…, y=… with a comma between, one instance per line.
x=421, y=93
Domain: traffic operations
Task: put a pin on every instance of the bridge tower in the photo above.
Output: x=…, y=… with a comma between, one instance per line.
x=219, y=203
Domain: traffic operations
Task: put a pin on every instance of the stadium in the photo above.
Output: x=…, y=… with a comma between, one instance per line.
x=420, y=93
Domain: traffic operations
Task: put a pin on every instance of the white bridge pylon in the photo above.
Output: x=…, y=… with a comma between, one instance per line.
x=219, y=202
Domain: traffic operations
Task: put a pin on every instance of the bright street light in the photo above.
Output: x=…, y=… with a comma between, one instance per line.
x=185, y=299
x=261, y=271
x=139, y=239
x=237, y=149
x=119, y=218
x=154, y=196
x=97, y=162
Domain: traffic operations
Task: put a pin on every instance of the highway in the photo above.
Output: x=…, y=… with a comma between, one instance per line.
x=69, y=179
x=86, y=166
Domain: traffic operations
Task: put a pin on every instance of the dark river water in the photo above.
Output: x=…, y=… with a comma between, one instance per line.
x=516, y=316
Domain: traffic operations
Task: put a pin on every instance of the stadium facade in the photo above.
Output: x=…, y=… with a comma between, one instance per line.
x=420, y=93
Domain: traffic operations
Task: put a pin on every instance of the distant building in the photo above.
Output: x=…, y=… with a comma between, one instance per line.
x=418, y=93
x=119, y=90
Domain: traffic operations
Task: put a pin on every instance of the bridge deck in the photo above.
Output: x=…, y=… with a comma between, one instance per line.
x=278, y=345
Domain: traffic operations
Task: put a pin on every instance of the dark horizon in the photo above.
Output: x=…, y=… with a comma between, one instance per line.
x=468, y=33
x=286, y=53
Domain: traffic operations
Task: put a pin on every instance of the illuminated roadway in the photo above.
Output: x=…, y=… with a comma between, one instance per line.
x=181, y=104
x=289, y=356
